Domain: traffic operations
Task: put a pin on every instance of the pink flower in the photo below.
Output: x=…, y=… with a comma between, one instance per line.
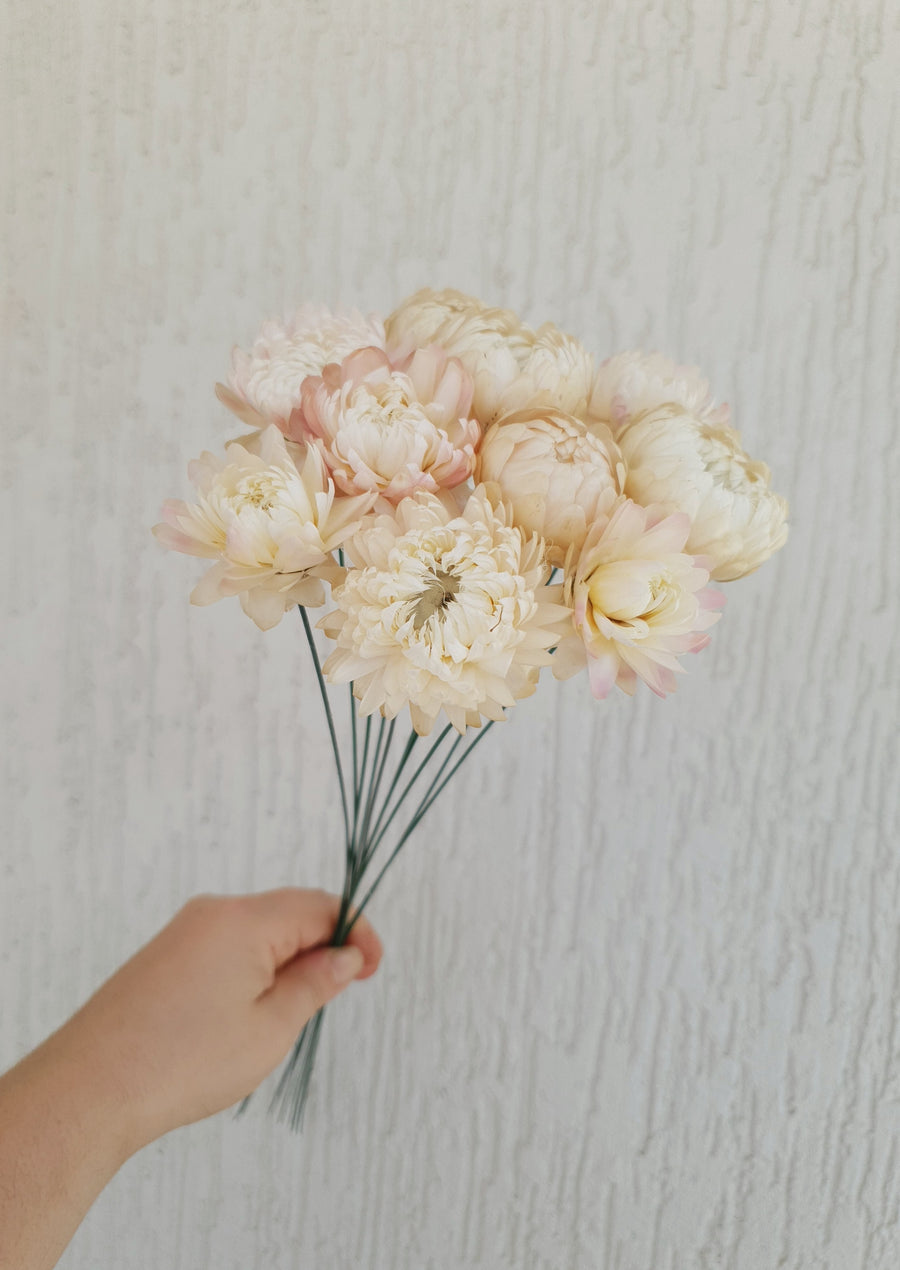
x=639, y=602
x=265, y=383
x=629, y=384
x=512, y=366
x=391, y=428
x=551, y=472
x=268, y=515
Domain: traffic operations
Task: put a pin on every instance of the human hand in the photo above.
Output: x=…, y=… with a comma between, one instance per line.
x=200, y=1015
x=189, y=1025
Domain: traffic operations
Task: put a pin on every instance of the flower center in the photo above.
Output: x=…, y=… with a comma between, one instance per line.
x=256, y=491
x=440, y=589
x=383, y=405
x=632, y=591
x=736, y=472
x=574, y=449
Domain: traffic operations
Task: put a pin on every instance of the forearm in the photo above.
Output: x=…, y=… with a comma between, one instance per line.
x=62, y=1138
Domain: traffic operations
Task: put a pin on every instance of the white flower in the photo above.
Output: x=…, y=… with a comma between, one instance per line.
x=682, y=463
x=551, y=472
x=265, y=383
x=631, y=383
x=639, y=601
x=512, y=366
x=443, y=612
x=271, y=524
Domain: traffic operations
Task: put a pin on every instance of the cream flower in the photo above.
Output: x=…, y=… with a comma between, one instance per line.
x=551, y=472
x=265, y=383
x=631, y=383
x=443, y=612
x=512, y=366
x=388, y=429
x=639, y=601
x=682, y=463
x=271, y=524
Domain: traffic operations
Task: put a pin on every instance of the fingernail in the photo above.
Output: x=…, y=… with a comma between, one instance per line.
x=346, y=964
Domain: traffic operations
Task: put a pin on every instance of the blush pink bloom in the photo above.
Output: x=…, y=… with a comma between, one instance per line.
x=638, y=601
x=552, y=473
x=391, y=428
x=268, y=516
x=678, y=462
x=629, y=384
x=512, y=366
x=264, y=384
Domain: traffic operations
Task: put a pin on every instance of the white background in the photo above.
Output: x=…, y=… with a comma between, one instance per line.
x=640, y=1003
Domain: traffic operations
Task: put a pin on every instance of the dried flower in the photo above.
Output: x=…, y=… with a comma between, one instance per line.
x=270, y=519
x=391, y=429
x=638, y=601
x=265, y=383
x=512, y=366
x=683, y=463
x=632, y=383
x=443, y=612
x=552, y=473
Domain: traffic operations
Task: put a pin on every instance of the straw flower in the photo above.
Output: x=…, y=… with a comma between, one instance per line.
x=391, y=429
x=684, y=463
x=551, y=472
x=512, y=366
x=265, y=383
x=270, y=520
x=632, y=383
x=639, y=601
x=443, y=612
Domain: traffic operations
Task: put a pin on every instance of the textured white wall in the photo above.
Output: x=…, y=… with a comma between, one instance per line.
x=641, y=1000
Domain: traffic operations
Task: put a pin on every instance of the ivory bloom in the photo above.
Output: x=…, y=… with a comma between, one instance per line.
x=265, y=383
x=512, y=366
x=687, y=464
x=391, y=429
x=632, y=383
x=270, y=524
x=552, y=473
x=443, y=612
x=638, y=601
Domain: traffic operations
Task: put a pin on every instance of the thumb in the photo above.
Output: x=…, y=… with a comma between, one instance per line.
x=307, y=983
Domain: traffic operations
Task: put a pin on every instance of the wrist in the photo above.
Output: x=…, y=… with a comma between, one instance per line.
x=62, y=1138
x=71, y=1080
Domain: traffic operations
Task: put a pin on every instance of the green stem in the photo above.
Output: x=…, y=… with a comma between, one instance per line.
x=404, y=759
x=431, y=795
x=355, y=754
x=435, y=746
x=327, y=704
x=378, y=762
x=362, y=767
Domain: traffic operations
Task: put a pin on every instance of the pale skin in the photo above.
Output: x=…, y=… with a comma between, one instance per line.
x=189, y=1026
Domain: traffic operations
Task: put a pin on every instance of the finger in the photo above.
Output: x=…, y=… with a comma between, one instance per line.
x=310, y=981
x=292, y=920
x=364, y=937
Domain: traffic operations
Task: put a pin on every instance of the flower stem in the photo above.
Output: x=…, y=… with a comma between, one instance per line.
x=435, y=746
x=370, y=778
x=398, y=772
x=355, y=753
x=371, y=821
x=433, y=791
x=327, y=704
x=292, y=1092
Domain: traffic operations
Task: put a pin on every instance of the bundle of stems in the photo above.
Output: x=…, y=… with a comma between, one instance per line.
x=377, y=809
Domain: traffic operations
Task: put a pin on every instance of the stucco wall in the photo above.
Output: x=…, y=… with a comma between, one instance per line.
x=640, y=1004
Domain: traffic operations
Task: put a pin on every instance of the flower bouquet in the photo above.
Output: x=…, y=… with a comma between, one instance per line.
x=482, y=501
